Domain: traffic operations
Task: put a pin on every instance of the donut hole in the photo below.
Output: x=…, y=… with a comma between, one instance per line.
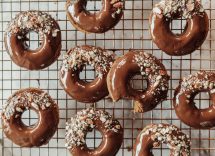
x=178, y=26
x=202, y=100
x=93, y=6
x=29, y=118
x=93, y=139
x=87, y=74
x=163, y=149
x=33, y=41
x=139, y=83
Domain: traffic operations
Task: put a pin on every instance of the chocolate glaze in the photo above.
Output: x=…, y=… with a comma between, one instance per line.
x=111, y=138
x=98, y=22
x=81, y=90
x=184, y=100
x=168, y=134
x=43, y=56
x=34, y=135
x=194, y=34
x=110, y=144
x=124, y=68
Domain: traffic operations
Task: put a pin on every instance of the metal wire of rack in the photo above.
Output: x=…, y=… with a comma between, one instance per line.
x=131, y=33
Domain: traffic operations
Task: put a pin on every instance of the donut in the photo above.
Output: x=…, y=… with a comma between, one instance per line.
x=37, y=134
x=155, y=134
x=49, y=33
x=195, y=31
x=87, y=120
x=131, y=64
x=73, y=63
x=98, y=22
x=184, y=96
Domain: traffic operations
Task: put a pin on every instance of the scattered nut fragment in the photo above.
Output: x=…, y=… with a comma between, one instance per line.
x=170, y=7
x=83, y=122
x=175, y=139
x=24, y=100
x=77, y=57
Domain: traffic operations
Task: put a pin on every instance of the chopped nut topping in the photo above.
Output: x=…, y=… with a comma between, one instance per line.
x=37, y=21
x=176, y=140
x=194, y=82
x=77, y=57
x=22, y=100
x=188, y=8
x=150, y=69
x=118, y=7
x=83, y=122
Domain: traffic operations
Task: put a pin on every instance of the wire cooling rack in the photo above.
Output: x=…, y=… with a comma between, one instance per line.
x=131, y=32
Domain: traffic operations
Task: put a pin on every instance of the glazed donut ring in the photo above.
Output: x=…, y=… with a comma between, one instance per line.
x=87, y=120
x=49, y=32
x=73, y=63
x=33, y=135
x=195, y=31
x=98, y=22
x=127, y=66
x=156, y=134
x=184, y=100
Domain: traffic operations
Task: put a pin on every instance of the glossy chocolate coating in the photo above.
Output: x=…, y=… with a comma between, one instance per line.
x=146, y=147
x=184, y=101
x=194, y=34
x=34, y=135
x=123, y=70
x=98, y=22
x=84, y=122
x=110, y=144
x=145, y=141
x=81, y=90
x=37, y=59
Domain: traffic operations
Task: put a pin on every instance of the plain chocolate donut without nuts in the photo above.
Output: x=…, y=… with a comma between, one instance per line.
x=195, y=31
x=87, y=120
x=73, y=63
x=127, y=66
x=34, y=135
x=49, y=32
x=184, y=100
x=155, y=134
x=98, y=22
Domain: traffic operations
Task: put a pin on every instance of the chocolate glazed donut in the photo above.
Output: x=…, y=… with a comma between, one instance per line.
x=184, y=100
x=49, y=32
x=34, y=135
x=84, y=122
x=98, y=22
x=194, y=34
x=73, y=64
x=156, y=134
x=127, y=66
